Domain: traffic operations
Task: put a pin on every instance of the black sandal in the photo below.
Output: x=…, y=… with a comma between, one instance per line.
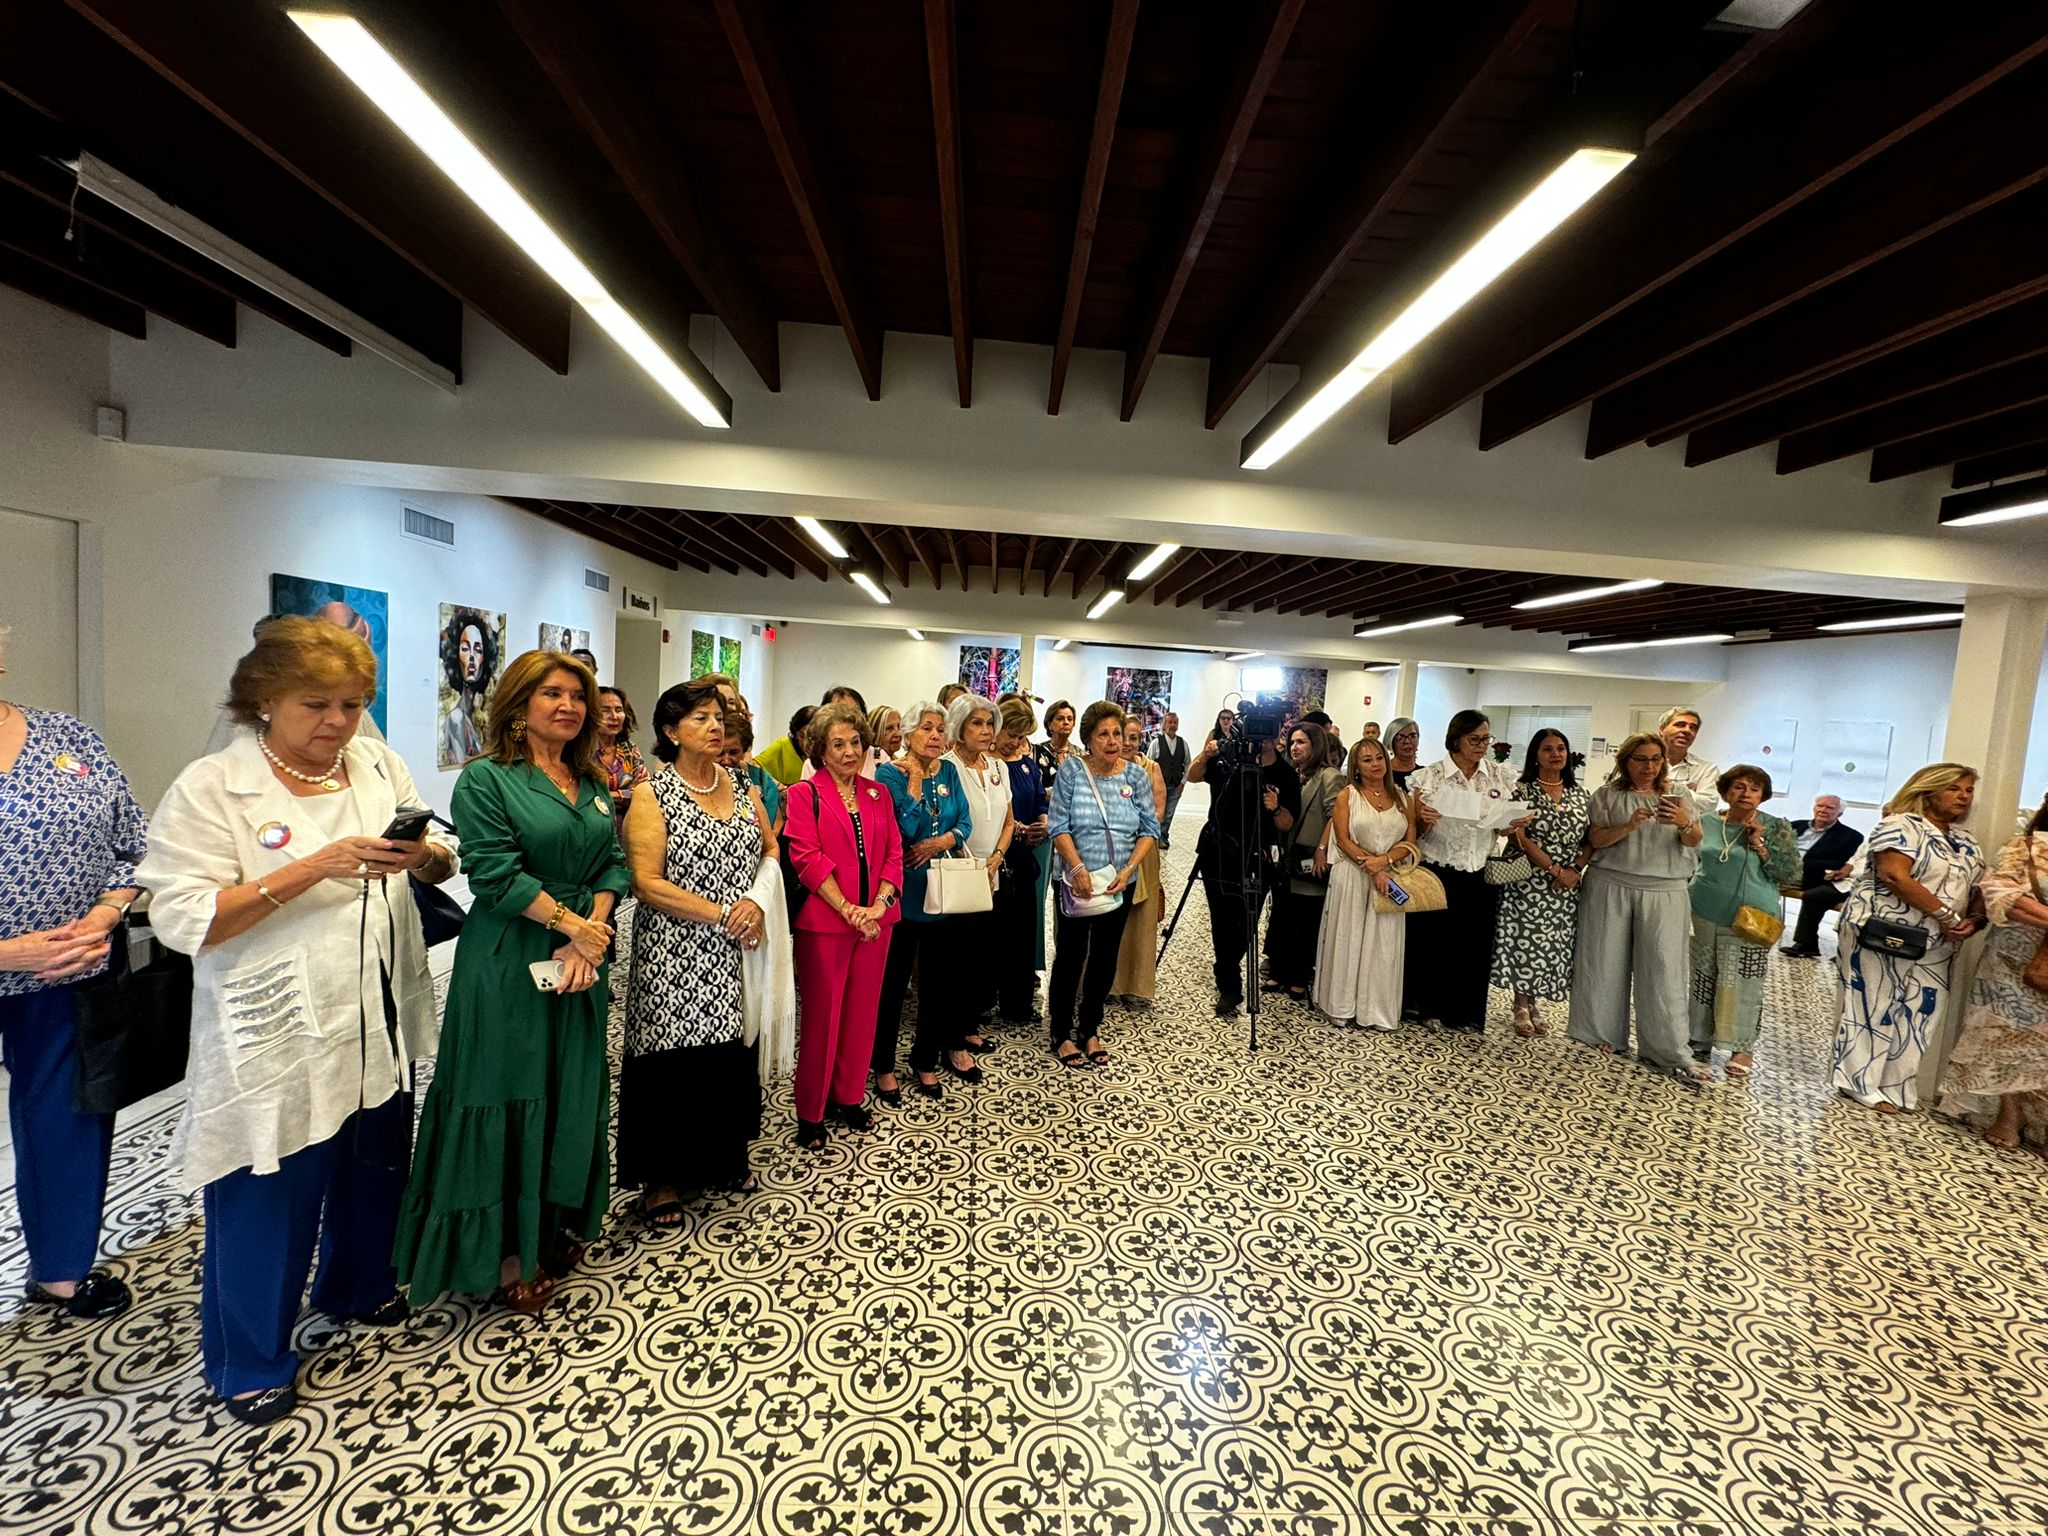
x=893, y=1097
x=931, y=1090
x=1098, y=1056
x=662, y=1215
x=855, y=1117
x=1072, y=1058
x=810, y=1135
x=967, y=1074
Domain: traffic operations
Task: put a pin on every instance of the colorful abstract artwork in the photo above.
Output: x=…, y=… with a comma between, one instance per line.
x=358, y=610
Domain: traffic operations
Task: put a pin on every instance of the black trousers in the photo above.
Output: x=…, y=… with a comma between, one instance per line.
x=1083, y=967
x=1815, y=904
x=934, y=950
x=1452, y=951
x=1017, y=916
x=1232, y=921
x=1292, y=933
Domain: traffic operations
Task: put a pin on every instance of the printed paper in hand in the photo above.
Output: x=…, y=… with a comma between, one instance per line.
x=1458, y=804
x=1501, y=814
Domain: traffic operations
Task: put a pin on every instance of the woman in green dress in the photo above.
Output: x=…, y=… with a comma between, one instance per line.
x=511, y=1174
x=1745, y=857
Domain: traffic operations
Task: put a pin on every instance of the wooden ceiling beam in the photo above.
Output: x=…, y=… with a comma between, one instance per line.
x=2002, y=389
x=65, y=86
x=35, y=229
x=1408, y=591
x=654, y=522
x=1323, y=579
x=1224, y=593
x=1219, y=566
x=1109, y=95
x=1024, y=569
x=942, y=54
x=748, y=32
x=873, y=546
x=1162, y=291
x=953, y=550
x=1695, y=605
x=920, y=548
x=2006, y=336
x=40, y=281
x=257, y=73
x=1868, y=83
x=1097, y=559
x=1173, y=563
x=995, y=563
x=752, y=533
x=617, y=107
x=1993, y=434
x=708, y=530
x=783, y=534
x=1360, y=578
x=588, y=524
x=1053, y=572
x=1471, y=595
x=1386, y=581
x=1416, y=97
x=1968, y=160
x=2003, y=465
x=1260, y=592
x=1203, y=562
x=1982, y=265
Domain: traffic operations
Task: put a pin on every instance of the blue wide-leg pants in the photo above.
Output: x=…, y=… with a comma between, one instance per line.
x=260, y=1235
x=60, y=1156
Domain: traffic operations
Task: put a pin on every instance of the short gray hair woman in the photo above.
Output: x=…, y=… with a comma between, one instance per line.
x=971, y=725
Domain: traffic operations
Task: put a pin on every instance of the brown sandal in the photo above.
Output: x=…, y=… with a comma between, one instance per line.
x=528, y=1296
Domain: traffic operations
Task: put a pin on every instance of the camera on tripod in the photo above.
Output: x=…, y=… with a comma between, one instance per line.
x=1256, y=725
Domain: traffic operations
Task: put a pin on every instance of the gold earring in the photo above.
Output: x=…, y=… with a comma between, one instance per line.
x=519, y=729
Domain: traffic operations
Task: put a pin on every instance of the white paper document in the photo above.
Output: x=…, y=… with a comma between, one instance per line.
x=1501, y=814
x=1458, y=804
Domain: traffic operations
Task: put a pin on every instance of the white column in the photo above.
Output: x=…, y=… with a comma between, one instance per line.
x=1991, y=706
x=1404, y=689
x=1027, y=656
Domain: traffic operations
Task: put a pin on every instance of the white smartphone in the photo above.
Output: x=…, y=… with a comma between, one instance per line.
x=547, y=974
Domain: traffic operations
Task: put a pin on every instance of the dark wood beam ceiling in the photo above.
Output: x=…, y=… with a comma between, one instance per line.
x=616, y=105
x=2001, y=389
x=250, y=68
x=747, y=30
x=1269, y=25
x=1411, y=102
x=1992, y=434
x=55, y=286
x=2004, y=464
x=1109, y=95
x=942, y=48
x=1866, y=85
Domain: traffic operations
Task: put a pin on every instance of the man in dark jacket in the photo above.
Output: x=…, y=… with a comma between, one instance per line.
x=1170, y=752
x=1826, y=844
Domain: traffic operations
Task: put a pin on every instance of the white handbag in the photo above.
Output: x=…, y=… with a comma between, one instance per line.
x=953, y=887
x=1099, y=879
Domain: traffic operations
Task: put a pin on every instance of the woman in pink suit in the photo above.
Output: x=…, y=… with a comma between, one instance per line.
x=844, y=846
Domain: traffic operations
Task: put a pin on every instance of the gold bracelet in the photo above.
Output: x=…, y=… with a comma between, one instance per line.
x=556, y=917
x=265, y=891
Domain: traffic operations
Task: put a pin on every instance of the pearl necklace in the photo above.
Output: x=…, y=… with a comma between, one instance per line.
x=699, y=789
x=330, y=781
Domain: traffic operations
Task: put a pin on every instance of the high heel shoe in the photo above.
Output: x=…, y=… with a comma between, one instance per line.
x=1525, y=1021
x=855, y=1117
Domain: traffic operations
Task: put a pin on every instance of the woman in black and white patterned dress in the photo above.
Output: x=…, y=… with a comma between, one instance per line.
x=689, y=1093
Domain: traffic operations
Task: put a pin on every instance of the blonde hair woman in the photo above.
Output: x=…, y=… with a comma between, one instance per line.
x=513, y=1167
x=1916, y=890
x=1360, y=949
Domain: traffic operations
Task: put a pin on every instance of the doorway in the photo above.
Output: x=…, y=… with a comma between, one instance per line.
x=40, y=557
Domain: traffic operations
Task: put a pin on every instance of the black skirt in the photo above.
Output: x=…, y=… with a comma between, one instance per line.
x=686, y=1116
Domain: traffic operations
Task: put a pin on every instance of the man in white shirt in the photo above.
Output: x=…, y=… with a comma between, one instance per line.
x=1680, y=728
x=1170, y=752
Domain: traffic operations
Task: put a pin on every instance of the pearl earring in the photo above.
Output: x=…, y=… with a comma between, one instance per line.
x=266, y=719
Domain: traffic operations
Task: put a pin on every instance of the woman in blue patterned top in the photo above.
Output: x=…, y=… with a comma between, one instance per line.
x=1102, y=826
x=73, y=835
x=932, y=814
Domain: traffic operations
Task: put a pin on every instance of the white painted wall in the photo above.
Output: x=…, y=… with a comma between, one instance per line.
x=757, y=652
x=1612, y=701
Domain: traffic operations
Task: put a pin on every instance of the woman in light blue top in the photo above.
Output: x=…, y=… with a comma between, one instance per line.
x=1103, y=825
x=932, y=812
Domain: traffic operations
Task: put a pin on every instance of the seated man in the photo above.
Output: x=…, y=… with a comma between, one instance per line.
x=1826, y=845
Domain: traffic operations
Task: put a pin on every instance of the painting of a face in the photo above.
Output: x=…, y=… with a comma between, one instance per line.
x=471, y=653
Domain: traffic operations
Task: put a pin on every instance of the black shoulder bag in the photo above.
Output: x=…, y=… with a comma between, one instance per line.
x=133, y=1028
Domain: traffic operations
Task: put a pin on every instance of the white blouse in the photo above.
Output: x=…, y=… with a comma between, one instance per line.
x=1460, y=844
x=288, y=1034
x=988, y=800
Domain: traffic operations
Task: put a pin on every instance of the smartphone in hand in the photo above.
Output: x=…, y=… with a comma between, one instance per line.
x=408, y=825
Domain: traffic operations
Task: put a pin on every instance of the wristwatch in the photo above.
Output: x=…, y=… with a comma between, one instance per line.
x=889, y=900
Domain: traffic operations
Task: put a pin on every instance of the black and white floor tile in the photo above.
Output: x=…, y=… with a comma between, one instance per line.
x=1345, y=1283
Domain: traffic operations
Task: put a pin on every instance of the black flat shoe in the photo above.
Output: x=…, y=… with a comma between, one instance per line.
x=388, y=1313
x=965, y=1074
x=99, y=1295
x=893, y=1097
x=1226, y=1007
x=1797, y=953
x=855, y=1117
x=264, y=1408
x=982, y=1046
x=929, y=1090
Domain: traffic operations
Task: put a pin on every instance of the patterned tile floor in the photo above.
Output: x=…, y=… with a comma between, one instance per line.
x=1350, y=1283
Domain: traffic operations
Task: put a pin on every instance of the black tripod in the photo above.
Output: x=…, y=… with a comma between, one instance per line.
x=1248, y=789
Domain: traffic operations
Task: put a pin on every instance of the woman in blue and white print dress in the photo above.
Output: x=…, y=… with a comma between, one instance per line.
x=1921, y=872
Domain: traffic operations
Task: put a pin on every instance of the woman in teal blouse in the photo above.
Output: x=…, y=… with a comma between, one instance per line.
x=1745, y=857
x=933, y=816
x=512, y=1172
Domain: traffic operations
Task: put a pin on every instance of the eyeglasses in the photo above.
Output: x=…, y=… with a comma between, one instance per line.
x=1643, y=762
x=1478, y=741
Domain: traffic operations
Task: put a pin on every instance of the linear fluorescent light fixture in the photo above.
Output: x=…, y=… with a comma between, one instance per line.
x=1367, y=632
x=1388, y=666
x=1107, y=601
x=869, y=585
x=1995, y=504
x=1898, y=621
x=131, y=197
x=1587, y=594
x=1553, y=200
x=1584, y=646
x=1061, y=645
x=1161, y=553
x=823, y=537
x=399, y=97
x=1243, y=655
x=915, y=634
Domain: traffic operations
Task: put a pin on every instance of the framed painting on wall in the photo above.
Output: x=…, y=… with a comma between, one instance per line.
x=729, y=657
x=1305, y=687
x=1145, y=692
x=990, y=670
x=358, y=610
x=471, y=650
x=560, y=637
x=703, y=652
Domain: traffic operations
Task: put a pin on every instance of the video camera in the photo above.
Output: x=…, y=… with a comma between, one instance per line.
x=1255, y=725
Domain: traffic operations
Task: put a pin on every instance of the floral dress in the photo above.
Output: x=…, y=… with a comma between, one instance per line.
x=2004, y=1044
x=1532, y=951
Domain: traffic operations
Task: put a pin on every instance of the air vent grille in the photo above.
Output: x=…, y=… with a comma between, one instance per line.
x=596, y=580
x=434, y=530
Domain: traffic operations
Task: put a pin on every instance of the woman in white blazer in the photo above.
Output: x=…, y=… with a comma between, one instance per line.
x=311, y=1001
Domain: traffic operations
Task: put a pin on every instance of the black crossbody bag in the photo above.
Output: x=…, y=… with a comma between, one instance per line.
x=1902, y=941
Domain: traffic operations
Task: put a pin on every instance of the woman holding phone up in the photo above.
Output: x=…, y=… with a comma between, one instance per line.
x=1635, y=914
